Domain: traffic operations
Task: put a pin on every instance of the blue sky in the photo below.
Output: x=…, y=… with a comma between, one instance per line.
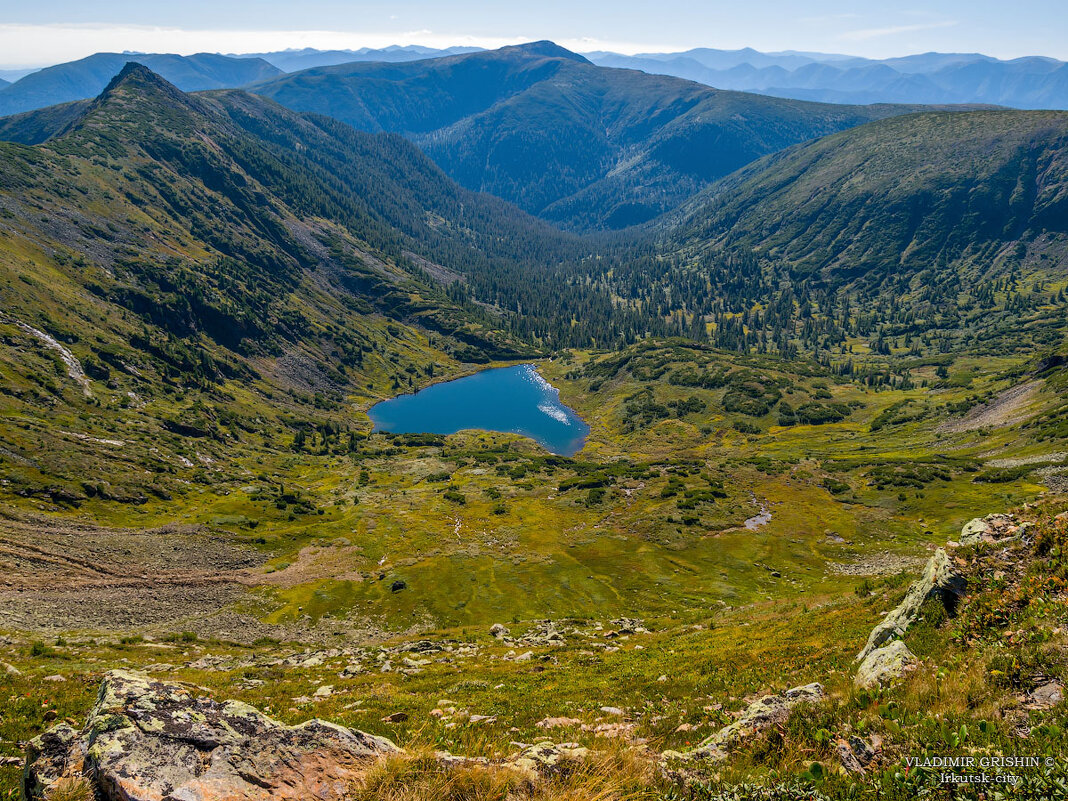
x=33, y=33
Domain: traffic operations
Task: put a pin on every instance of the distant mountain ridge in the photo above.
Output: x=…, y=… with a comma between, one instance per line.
x=1029, y=83
x=87, y=77
x=308, y=57
x=582, y=146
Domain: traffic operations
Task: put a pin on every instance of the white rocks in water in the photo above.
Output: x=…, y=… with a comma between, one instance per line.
x=940, y=579
x=147, y=739
x=884, y=665
x=771, y=710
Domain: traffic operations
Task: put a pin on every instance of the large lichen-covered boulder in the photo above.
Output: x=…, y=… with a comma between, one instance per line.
x=939, y=580
x=884, y=665
x=987, y=529
x=149, y=740
x=762, y=714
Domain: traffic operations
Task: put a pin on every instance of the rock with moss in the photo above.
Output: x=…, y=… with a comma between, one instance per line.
x=939, y=580
x=885, y=665
x=546, y=758
x=762, y=714
x=145, y=740
x=987, y=529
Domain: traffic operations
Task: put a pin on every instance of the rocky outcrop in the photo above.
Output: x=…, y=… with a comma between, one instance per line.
x=884, y=665
x=762, y=714
x=544, y=633
x=992, y=528
x=546, y=758
x=856, y=753
x=939, y=580
x=149, y=740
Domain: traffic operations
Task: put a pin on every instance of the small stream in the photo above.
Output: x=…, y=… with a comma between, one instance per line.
x=759, y=520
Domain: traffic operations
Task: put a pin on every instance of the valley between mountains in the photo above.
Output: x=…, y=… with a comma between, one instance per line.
x=820, y=366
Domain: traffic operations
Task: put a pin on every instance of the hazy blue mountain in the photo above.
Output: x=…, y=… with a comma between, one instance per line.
x=4, y=83
x=87, y=77
x=577, y=144
x=308, y=57
x=10, y=76
x=1031, y=83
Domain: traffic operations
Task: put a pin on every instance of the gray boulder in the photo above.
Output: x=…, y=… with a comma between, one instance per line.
x=762, y=714
x=884, y=665
x=147, y=740
x=939, y=580
x=987, y=529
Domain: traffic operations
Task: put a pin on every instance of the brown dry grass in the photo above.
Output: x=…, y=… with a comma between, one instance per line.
x=618, y=775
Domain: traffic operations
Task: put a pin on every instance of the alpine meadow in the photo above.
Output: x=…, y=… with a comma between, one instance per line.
x=509, y=423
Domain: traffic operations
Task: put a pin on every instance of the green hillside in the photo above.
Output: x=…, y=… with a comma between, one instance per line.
x=799, y=389
x=166, y=270
x=583, y=146
x=918, y=235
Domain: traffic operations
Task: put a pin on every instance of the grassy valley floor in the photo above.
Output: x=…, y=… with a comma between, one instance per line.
x=355, y=576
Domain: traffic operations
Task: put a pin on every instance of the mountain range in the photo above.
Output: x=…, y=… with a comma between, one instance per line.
x=933, y=78
x=87, y=77
x=888, y=215
x=918, y=220
x=582, y=146
x=305, y=58
x=1030, y=83
x=837, y=335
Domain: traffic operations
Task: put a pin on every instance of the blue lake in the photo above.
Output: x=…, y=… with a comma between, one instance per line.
x=513, y=400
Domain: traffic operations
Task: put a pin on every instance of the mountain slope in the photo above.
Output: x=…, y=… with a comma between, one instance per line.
x=899, y=193
x=928, y=233
x=216, y=271
x=87, y=77
x=580, y=145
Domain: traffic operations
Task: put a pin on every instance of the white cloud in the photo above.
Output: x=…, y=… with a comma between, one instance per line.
x=865, y=34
